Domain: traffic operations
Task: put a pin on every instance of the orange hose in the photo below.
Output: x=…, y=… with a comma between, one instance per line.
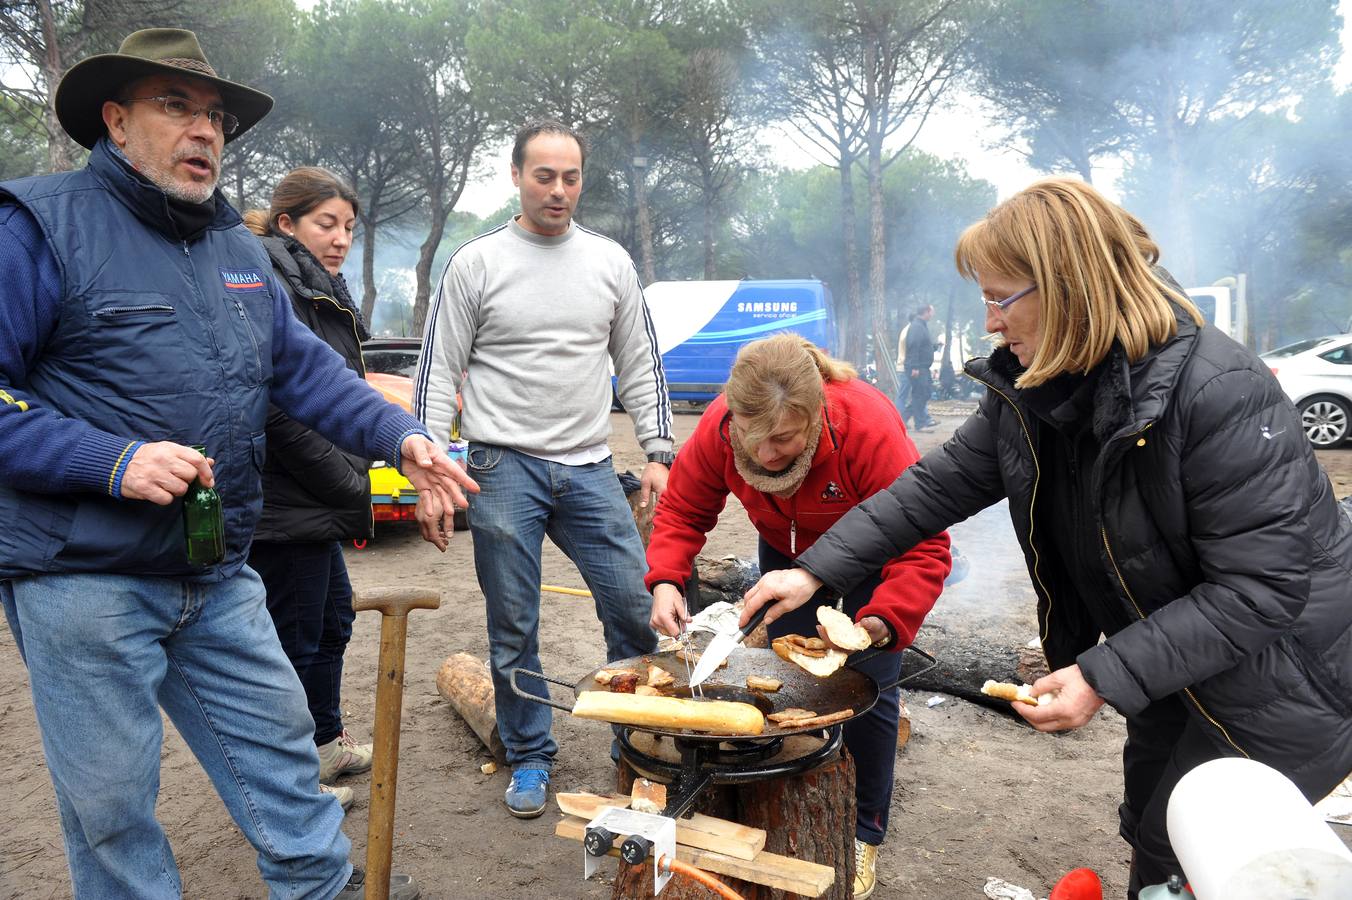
x=703, y=877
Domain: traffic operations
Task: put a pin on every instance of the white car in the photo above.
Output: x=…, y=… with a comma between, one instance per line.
x=1317, y=376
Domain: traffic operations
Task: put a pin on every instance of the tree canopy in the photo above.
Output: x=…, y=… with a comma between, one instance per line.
x=1219, y=117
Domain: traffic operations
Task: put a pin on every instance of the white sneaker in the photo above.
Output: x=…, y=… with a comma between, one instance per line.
x=343, y=756
x=344, y=794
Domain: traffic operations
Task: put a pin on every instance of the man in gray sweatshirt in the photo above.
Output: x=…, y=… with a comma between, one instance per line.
x=524, y=324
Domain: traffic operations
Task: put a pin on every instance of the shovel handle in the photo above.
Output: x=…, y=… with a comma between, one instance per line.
x=536, y=698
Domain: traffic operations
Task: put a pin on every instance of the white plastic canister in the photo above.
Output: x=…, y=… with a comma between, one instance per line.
x=1243, y=831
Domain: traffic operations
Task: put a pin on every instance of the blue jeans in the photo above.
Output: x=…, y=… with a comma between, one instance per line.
x=917, y=408
x=310, y=600
x=583, y=511
x=105, y=653
x=903, y=392
x=872, y=737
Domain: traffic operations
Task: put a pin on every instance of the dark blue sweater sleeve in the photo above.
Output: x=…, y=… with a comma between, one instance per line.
x=40, y=449
x=312, y=384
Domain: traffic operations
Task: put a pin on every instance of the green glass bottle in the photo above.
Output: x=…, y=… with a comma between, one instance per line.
x=203, y=523
x=458, y=450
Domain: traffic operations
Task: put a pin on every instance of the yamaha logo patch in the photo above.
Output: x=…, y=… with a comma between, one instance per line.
x=243, y=281
x=832, y=493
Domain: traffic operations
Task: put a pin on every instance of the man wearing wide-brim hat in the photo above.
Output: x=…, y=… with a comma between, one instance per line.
x=142, y=320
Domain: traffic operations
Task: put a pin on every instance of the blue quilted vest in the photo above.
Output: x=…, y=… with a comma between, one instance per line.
x=158, y=340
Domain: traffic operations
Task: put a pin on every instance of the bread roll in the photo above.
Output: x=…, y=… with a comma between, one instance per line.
x=718, y=716
x=1014, y=693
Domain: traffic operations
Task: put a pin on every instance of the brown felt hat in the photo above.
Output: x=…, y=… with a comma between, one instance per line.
x=152, y=51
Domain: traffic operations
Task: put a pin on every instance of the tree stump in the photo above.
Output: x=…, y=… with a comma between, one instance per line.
x=809, y=816
x=466, y=683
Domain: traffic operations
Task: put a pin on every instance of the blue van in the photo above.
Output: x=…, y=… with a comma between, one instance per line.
x=702, y=324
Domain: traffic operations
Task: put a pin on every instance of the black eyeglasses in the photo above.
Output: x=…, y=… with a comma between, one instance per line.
x=183, y=108
x=1002, y=305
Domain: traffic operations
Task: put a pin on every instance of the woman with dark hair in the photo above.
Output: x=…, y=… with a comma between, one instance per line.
x=799, y=440
x=314, y=494
x=1165, y=498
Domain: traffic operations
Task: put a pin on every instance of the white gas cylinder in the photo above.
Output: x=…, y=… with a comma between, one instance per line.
x=1243, y=831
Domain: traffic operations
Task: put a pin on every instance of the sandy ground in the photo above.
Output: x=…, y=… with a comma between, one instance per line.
x=977, y=794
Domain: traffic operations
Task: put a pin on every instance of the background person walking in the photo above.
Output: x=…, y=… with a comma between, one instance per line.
x=919, y=357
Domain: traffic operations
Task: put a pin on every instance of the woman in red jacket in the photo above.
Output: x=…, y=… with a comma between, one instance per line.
x=800, y=440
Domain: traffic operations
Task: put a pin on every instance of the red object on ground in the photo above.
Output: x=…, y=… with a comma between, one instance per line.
x=1078, y=884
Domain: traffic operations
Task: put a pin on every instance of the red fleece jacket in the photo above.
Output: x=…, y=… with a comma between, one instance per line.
x=862, y=449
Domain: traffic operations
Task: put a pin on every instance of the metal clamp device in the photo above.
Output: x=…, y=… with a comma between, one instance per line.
x=646, y=835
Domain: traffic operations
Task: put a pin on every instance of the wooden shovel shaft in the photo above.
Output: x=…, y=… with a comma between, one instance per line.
x=385, y=768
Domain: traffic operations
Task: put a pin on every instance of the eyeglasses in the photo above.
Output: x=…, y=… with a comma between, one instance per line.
x=182, y=108
x=1002, y=305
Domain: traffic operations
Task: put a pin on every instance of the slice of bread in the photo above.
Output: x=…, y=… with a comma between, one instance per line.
x=841, y=629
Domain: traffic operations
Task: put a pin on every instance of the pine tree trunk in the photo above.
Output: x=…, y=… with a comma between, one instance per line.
x=852, y=323
x=423, y=269
x=59, y=158
x=466, y=684
x=645, y=227
x=709, y=258
x=368, y=267
x=877, y=249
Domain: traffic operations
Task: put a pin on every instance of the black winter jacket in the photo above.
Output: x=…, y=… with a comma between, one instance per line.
x=1218, y=529
x=313, y=491
x=919, y=346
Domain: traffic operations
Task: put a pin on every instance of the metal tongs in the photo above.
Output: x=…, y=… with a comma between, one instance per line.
x=687, y=647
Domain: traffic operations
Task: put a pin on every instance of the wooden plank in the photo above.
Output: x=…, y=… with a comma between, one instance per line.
x=745, y=834
x=589, y=806
x=783, y=873
x=717, y=843
x=704, y=832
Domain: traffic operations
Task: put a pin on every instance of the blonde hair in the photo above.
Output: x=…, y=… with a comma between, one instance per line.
x=1093, y=264
x=780, y=375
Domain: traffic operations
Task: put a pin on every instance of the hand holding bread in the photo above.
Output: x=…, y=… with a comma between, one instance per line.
x=1014, y=693
x=1074, y=701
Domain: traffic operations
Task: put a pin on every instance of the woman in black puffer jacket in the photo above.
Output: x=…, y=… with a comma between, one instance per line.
x=314, y=494
x=1164, y=495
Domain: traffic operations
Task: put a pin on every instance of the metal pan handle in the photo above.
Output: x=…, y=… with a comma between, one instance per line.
x=869, y=654
x=547, y=701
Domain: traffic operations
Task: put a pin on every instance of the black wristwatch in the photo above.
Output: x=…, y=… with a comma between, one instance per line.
x=665, y=457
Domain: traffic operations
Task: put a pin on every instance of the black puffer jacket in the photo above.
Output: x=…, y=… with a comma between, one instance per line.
x=313, y=491
x=1218, y=528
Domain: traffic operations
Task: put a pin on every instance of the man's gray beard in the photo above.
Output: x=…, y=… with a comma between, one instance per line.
x=188, y=193
x=192, y=192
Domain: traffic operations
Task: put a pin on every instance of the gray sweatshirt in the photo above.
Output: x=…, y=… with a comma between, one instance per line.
x=533, y=321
